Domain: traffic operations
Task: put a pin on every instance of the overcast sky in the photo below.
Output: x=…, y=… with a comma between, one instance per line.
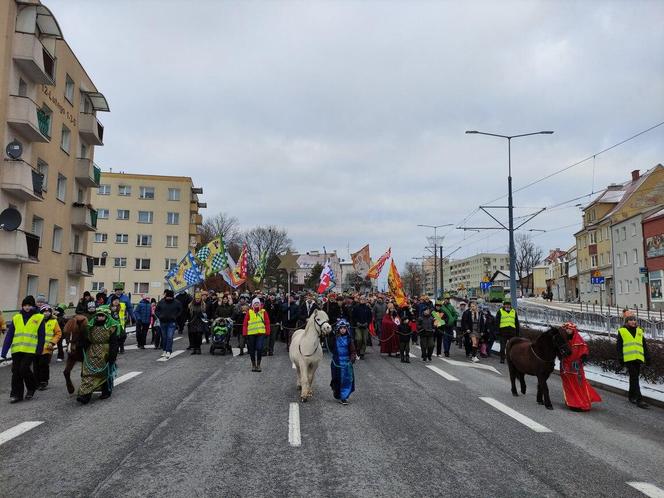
x=344, y=121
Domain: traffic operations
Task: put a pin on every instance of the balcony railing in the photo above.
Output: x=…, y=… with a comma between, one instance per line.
x=20, y=180
x=34, y=60
x=19, y=247
x=90, y=129
x=81, y=264
x=29, y=121
x=196, y=219
x=84, y=217
x=87, y=173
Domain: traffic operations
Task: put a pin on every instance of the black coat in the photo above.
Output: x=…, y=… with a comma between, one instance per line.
x=168, y=310
x=304, y=315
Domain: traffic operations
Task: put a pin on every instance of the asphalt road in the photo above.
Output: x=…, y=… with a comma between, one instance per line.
x=208, y=426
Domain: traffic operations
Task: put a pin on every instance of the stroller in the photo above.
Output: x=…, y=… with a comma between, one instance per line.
x=221, y=335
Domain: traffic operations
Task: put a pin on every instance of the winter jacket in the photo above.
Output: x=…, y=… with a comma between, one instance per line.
x=331, y=341
x=274, y=310
x=333, y=311
x=9, y=337
x=143, y=311
x=304, y=314
x=197, y=317
x=425, y=325
x=362, y=315
x=57, y=334
x=224, y=311
x=290, y=315
x=168, y=310
x=451, y=313
x=124, y=298
x=379, y=309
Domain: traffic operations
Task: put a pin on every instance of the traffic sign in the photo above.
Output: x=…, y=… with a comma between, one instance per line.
x=485, y=285
x=643, y=269
x=597, y=280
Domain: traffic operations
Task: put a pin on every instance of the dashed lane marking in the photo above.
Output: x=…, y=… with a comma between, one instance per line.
x=528, y=422
x=294, y=438
x=173, y=355
x=442, y=373
x=479, y=366
x=126, y=377
x=147, y=346
x=647, y=489
x=17, y=430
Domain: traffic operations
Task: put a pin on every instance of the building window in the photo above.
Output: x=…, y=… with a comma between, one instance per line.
x=22, y=88
x=619, y=261
x=173, y=218
x=84, y=150
x=102, y=214
x=69, y=89
x=636, y=256
x=633, y=229
x=65, y=139
x=101, y=237
x=120, y=262
x=624, y=233
x=38, y=228
x=637, y=285
x=99, y=261
x=142, y=264
x=620, y=287
x=171, y=241
x=173, y=194
x=124, y=190
x=61, y=190
x=625, y=260
x=33, y=285
x=56, y=246
x=141, y=287
x=593, y=261
x=608, y=258
x=145, y=216
x=170, y=264
x=45, y=120
x=601, y=259
x=123, y=214
x=599, y=235
x=146, y=193
x=53, y=285
x=592, y=238
x=144, y=240
x=627, y=284
x=121, y=238
x=104, y=190
x=42, y=167
x=97, y=286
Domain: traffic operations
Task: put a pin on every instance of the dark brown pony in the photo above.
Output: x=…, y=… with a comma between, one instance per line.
x=74, y=330
x=536, y=358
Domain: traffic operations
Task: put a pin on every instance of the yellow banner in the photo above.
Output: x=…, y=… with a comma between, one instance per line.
x=396, y=286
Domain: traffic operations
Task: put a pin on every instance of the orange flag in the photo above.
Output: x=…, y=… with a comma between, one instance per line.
x=374, y=271
x=395, y=285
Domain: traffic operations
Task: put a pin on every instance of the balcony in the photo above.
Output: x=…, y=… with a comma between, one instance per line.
x=87, y=173
x=18, y=179
x=84, y=218
x=193, y=207
x=80, y=265
x=19, y=247
x=90, y=129
x=196, y=219
x=28, y=120
x=193, y=229
x=34, y=60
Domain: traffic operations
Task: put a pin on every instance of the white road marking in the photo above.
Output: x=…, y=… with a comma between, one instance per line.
x=294, y=438
x=528, y=422
x=470, y=365
x=647, y=489
x=412, y=355
x=173, y=355
x=6, y=363
x=442, y=373
x=236, y=351
x=126, y=377
x=17, y=430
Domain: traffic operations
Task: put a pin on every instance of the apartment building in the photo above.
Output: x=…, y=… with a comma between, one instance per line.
x=48, y=113
x=465, y=275
x=145, y=225
x=308, y=260
x=616, y=204
x=653, y=234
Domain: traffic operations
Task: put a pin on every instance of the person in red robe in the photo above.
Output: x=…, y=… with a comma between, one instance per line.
x=578, y=393
x=389, y=342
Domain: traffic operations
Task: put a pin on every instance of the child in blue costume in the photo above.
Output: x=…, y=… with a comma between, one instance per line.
x=342, y=348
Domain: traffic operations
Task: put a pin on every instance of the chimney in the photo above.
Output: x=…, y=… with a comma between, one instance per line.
x=635, y=175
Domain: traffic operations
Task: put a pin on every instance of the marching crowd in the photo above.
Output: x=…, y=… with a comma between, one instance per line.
x=259, y=320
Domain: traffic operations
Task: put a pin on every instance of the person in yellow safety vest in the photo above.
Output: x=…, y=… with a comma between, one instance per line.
x=119, y=313
x=632, y=353
x=25, y=337
x=255, y=327
x=52, y=334
x=507, y=322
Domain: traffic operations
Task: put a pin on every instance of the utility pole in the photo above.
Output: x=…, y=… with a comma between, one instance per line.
x=435, y=255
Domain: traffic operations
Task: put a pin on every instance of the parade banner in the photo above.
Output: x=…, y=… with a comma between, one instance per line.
x=187, y=274
x=374, y=271
x=239, y=273
x=326, y=278
x=395, y=285
x=260, y=270
x=227, y=273
x=213, y=256
x=361, y=260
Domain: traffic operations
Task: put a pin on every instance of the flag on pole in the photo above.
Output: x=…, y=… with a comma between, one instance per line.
x=260, y=269
x=213, y=256
x=326, y=278
x=187, y=274
x=361, y=260
x=374, y=271
x=239, y=273
x=396, y=286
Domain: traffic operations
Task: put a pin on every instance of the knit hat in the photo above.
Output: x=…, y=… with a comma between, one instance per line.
x=91, y=307
x=256, y=301
x=41, y=298
x=28, y=301
x=507, y=300
x=45, y=307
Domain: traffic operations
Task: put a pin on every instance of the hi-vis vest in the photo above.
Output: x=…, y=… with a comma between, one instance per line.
x=122, y=315
x=25, y=334
x=49, y=328
x=256, y=323
x=632, y=346
x=507, y=319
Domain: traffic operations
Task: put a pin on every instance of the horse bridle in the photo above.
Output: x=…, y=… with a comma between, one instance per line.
x=320, y=334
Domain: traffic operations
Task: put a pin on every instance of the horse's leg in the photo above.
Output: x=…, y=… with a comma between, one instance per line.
x=310, y=379
x=545, y=389
x=512, y=370
x=522, y=380
x=539, y=389
x=304, y=383
x=299, y=377
x=67, y=373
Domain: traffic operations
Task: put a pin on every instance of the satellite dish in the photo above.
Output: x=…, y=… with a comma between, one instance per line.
x=14, y=149
x=10, y=219
x=104, y=254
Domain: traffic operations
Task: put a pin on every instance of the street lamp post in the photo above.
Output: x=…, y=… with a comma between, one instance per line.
x=435, y=257
x=510, y=204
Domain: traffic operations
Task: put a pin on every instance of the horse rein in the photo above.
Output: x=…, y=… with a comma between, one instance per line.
x=551, y=362
x=320, y=334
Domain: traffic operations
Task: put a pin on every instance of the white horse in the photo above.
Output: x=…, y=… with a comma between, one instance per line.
x=305, y=351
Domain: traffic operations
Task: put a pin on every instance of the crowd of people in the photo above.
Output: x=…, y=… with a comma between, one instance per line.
x=260, y=320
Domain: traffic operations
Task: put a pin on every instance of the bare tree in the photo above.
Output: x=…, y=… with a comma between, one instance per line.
x=220, y=224
x=271, y=239
x=412, y=278
x=528, y=256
